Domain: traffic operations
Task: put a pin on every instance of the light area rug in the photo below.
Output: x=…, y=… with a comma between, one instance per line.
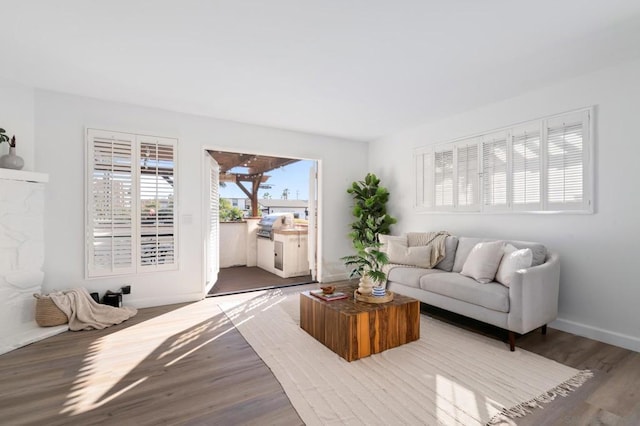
x=448, y=377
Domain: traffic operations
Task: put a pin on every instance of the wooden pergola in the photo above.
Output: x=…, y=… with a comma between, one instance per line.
x=256, y=167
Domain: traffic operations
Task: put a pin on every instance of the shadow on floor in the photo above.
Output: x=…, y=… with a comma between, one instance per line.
x=241, y=279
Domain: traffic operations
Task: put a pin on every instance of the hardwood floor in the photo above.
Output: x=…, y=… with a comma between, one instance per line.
x=611, y=397
x=186, y=364
x=153, y=369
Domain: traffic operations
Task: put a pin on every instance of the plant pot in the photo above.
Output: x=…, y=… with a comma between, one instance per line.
x=366, y=285
x=11, y=160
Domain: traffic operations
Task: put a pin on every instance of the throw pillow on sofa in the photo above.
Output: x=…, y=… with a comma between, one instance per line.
x=483, y=261
x=512, y=260
x=385, y=239
x=414, y=256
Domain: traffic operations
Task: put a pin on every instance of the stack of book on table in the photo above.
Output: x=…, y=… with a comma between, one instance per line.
x=338, y=295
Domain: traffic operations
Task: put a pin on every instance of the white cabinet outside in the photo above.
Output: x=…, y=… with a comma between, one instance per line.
x=292, y=248
x=265, y=255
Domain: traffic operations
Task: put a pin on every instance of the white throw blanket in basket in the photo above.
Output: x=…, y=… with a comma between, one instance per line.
x=85, y=314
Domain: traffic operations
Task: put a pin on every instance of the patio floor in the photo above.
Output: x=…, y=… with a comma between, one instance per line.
x=241, y=279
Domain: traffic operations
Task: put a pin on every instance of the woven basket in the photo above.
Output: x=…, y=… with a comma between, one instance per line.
x=47, y=313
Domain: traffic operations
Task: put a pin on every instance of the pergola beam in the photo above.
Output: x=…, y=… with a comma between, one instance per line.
x=240, y=177
x=256, y=167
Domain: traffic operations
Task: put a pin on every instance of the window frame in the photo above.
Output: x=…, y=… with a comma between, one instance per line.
x=137, y=267
x=424, y=169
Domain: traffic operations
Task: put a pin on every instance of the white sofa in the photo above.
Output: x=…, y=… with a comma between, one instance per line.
x=530, y=301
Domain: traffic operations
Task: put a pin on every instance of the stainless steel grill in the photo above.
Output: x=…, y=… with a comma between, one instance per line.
x=274, y=221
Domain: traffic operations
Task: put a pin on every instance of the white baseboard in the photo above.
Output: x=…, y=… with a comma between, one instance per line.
x=163, y=300
x=599, y=334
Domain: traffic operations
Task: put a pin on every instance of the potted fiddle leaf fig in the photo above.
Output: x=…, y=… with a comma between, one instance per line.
x=371, y=219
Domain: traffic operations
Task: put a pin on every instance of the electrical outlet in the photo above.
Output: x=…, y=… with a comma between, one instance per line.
x=126, y=289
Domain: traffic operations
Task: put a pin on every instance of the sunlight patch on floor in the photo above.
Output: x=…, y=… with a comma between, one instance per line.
x=166, y=339
x=449, y=397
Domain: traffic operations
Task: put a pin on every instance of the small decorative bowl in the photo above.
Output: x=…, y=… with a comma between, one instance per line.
x=329, y=289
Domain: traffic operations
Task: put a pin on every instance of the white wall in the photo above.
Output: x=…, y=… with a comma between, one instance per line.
x=599, y=290
x=60, y=121
x=16, y=117
x=233, y=244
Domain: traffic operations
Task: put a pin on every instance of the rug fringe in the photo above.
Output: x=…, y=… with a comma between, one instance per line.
x=563, y=389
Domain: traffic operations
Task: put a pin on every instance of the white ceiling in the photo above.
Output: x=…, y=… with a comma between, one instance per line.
x=360, y=69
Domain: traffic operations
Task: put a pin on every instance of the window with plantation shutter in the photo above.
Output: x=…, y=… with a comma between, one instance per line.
x=130, y=223
x=544, y=165
x=467, y=175
x=526, y=168
x=157, y=207
x=111, y=203
x=443, y=178
x=494, y=171
x=566, y=161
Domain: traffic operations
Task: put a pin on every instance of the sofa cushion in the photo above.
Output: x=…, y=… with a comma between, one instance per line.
x=483, y=261
x=414, y=256
x=418, y=239
x=538, y=250
x=512, y=260
x=465, y=245
x=386, y=239
x=410, y=276
x=492, y=296
x=450, y=246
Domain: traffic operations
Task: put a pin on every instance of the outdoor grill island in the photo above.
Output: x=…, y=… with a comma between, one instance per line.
x=282, y=246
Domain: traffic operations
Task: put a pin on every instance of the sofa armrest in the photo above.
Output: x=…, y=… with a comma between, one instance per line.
x=533, y=295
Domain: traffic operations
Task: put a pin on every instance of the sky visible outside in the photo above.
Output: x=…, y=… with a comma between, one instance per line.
x=294, y=177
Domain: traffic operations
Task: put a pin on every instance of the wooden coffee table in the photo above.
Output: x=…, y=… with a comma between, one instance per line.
x=355, y=329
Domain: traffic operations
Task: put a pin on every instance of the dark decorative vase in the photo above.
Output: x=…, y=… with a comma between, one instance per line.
x=11, y=160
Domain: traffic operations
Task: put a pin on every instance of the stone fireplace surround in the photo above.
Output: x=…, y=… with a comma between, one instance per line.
x=21, y=257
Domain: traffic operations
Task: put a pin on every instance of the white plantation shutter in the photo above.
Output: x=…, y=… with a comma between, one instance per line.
x=494, y=171
x=526, y=164
x=131, y=203
x=543, y=165
x=467, y=176
x=111, y=200
x=567, y=157
x=158, y=237
x=443, y=178
x=214, y=220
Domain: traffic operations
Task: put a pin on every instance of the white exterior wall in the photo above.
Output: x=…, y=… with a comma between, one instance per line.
x=599, y=291
x=60, y=122
x=233, y=244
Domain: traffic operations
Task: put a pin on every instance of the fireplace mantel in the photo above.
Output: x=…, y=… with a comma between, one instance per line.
x=24, y=175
